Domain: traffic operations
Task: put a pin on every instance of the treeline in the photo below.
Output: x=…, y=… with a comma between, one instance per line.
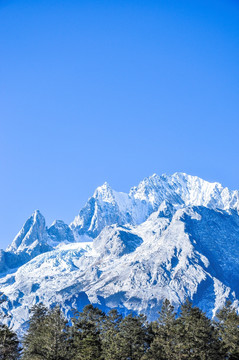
x=94, y=335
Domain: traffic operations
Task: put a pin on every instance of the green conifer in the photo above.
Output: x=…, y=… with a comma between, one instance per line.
x=9, y=344
x=86, y=340
x=132, y=339
x=163, y=346
x=55, y=335
x=33, y=339
x=109, y=335
x=197, y=338
x=227, y=323
x=46, y=338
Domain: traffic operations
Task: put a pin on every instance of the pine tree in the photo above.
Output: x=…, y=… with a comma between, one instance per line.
x=132, y=339
x=9, y=344
x=109, y=335
x=227, y=323
x=86, y=340
x=196, y=336
x=33, y=339
x=46, y=338
x=56, y=335
x=163, y=346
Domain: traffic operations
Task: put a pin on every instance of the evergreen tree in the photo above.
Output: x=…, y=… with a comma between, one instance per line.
x=86, y=340
x=163, y=346
x=9, y=344
x=132, y=339
x=196, y=336
x=109, y=335
x=46, y=338
x=227, y=324
x=33, y=339
x=96, y=336
x=56, y=335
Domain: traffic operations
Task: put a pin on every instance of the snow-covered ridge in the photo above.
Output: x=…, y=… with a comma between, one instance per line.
x=176, y=253
x=108, y=207
x=172, y=236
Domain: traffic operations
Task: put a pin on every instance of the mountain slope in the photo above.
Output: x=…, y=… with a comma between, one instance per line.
x=172, y=236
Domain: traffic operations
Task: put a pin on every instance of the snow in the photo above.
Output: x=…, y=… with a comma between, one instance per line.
x=135, y=207
x=172, y=236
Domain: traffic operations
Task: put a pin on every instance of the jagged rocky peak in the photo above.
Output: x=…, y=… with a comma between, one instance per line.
x=107, y=207
x=166, y=209
x=59, y=232
x=148, y=190
x=155, y=189
x=199, y=192
x=116, y=241
x=33, y=231
x=104, y=193
x=184, y=189
x=102, y=209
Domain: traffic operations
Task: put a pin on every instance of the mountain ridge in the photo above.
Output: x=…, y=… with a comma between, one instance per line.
x=173, y=236
x=142, y=200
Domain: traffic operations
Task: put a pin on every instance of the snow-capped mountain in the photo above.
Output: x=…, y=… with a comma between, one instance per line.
x=171, y=237
x=33, y=239
x=108, y=207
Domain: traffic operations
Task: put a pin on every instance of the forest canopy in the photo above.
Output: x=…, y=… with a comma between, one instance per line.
x=95, y=335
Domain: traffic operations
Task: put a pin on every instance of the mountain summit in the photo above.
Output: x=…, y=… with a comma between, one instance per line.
x=173, y=236
x=108, y=207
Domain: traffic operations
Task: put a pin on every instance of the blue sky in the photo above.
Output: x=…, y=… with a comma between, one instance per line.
x=94, y=91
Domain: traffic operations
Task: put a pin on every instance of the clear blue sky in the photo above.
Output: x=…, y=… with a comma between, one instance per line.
x=94, y=91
